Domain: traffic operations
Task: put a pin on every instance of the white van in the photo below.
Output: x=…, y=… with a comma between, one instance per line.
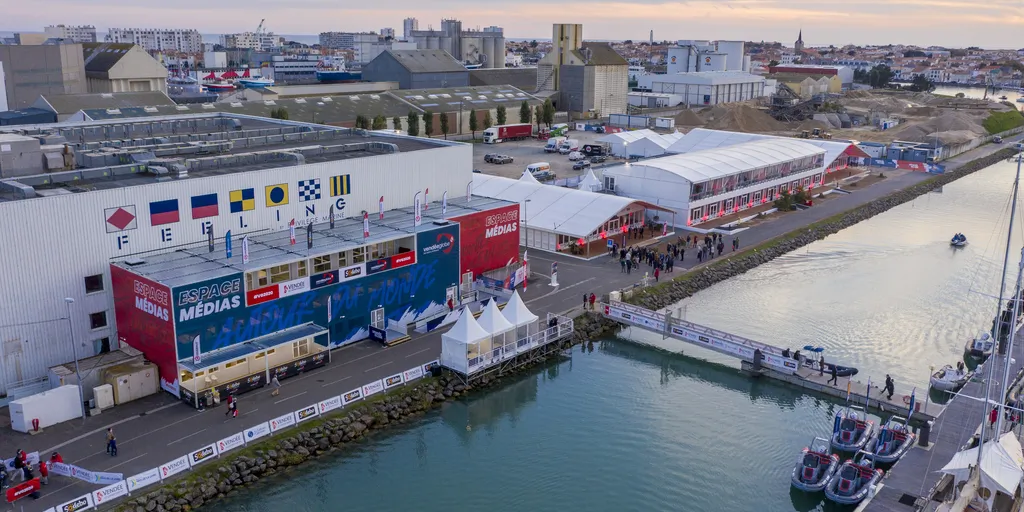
x=553, y=144
x=538, y=167
x=568, y=146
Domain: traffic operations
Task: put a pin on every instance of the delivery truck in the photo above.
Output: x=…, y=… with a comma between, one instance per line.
x=553, y=144
x=504, y=132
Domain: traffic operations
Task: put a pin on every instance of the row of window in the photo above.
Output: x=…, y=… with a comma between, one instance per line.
x=750, y=200
x=325, y=263
x=300, y=348
x=750, y=178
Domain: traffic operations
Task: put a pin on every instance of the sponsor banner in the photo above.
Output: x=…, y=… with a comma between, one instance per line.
x=261, y=295
x=94, y=477
x=377, y=334
x=403, y=259
x=442, y=243
x=294, y=287
x=143, y=479
x=79, y=503
x=196, y=301
x=306, y=413
x=376, y=266
x=23, y=489
x=139, y=306
x=352, y=396
x=282, y=422
x=490, y=239
x=353, y=272
x=203, y=454
x=31, y=458
x=230, y=443
x=412, y=373
x=323, y=279
x=431, y=365
x=188, y=397
x=373, y=388
x=173, y=467
x=330, y=404
x=393, y=381
x=237, y=387
x=109, y=493
x=254, y=433
x=296, y=367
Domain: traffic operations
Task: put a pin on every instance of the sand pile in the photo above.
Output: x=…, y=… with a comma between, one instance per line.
x=921, y=111
x=688, y=118
x=741, y=118
x=811, y=124
x=952, y=127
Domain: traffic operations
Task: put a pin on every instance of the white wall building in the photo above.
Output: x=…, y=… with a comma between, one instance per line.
x=215, y=60
x=78, y=234
x=408, y=25
x=261, y=42
x=158, y=39
x=706, y=88
x=74, y=33
x=3, y=90
x=513, y=60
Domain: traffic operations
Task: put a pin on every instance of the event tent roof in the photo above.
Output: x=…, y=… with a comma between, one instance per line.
x=492, y=320
x=700, y=139
x=466, y=331
x=709, y=164
x=562, y=210
x=1000, y=464
x=516, y=311
x=589, y=182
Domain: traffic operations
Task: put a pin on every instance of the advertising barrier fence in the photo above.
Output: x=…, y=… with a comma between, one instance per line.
x=116, y=486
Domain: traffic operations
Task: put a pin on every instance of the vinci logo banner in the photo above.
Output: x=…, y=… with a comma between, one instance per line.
x=143, y=309
x=494, y=237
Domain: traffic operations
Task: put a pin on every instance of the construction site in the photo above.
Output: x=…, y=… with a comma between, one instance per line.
x=881, y=116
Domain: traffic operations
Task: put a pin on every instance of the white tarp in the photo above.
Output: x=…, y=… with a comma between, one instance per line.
x=520, y=316
x=590, y=183
x=1001, y=464
x=465, y=341
x=502, y=331
x=700, y=139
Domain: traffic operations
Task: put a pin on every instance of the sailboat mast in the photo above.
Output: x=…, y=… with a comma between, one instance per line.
x=999, y=313
x=1009, y=348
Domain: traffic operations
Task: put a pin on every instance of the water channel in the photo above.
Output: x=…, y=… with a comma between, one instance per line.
x=629, y=427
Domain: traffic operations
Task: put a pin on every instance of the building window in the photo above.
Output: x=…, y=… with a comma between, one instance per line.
x=98, y=320
x=280, y=273
x=358, y=255
x=343, y=259
x=102, y=345
x=94, y=284
x=256, y=279
x=322, y=264
x=300, y=348
x=300, y=268
x=186, y=376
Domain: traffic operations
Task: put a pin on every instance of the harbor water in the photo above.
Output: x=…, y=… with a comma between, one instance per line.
x=624, y=426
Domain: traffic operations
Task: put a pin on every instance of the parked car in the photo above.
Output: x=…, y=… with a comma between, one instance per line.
x=495, y=158
x=544, y=175
x=576, y=155
x=489, y=157
x=580, y=165
x=599, y=159
x=997, y=139
x=476, y=171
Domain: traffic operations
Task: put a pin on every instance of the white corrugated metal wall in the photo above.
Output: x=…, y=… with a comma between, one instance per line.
x=53, y=243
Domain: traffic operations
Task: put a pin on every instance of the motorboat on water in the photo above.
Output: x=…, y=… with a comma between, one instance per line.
x=1002, y=97
x=958, y=240
x=854, y=479
x=255, y=83
x=948, y=378
x=850, y=433
x=980, y=348
x=816, y=466
x=893, y=441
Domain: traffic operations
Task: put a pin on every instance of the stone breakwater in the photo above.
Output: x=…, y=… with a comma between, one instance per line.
x=592, y=326
x=282, y=454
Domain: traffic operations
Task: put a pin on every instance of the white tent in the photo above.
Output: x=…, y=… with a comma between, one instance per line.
x=527, y=177
x=502, y=331
x=463, y=345
x=1001, y=465
x=520, y=316
x=590, y=183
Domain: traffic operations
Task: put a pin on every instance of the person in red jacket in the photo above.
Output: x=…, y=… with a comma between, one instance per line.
x=44, y=473
x=56, y=458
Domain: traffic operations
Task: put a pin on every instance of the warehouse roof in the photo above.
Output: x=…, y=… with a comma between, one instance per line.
x=425, y=61
x=453, y=98
x=703, y=78
x=700, y=139
x=798, y=77
x=65, y=104
x=193, y=264
x=567, y=211
x=601, y=54
x=101, y=57
x=709, y=164
x=523, y=78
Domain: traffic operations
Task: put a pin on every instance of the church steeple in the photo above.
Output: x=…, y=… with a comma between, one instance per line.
x=799, y=45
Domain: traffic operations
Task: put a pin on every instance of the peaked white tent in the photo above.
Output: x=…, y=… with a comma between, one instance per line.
x=527, y=177
x=590, y=183
x=520, y=316
x=463, y=345
x=502, y=331
x=1001, y=465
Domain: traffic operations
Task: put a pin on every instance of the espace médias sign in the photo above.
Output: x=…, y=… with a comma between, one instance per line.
x=501, y=224
x=152, y=300
x=208, y=298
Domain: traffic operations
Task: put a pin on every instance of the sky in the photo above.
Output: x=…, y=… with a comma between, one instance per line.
x=952, y=23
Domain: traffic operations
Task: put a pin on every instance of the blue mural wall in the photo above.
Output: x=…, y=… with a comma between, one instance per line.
x=406, y=293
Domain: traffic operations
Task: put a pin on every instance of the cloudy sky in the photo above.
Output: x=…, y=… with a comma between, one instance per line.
x=957, y=23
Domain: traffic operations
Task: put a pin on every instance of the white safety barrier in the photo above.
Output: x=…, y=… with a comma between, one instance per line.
x=119, y=486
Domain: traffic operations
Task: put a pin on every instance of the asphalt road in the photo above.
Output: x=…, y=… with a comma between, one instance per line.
x=157, y=429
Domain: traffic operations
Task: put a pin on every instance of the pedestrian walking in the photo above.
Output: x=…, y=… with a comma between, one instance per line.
x=821, y=366
x=735, y=244
x=234, y=406
x=44, y=472
x=19, y=464
x=56, y=458
x=276, y=384
x=230, y=402
x=835, y=376
x=657, y=272
x=451, y=304
x=111, y=443
x=629, y=266
x=721, y=247
x=993, y=417
x=585, y=297
x=592, y=299
x=889, y=386
x=700, y=255
x=622, y=263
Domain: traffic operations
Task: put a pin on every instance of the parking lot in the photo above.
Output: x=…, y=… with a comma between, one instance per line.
x=526, y=152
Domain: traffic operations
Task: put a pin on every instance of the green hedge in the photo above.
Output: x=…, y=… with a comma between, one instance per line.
x=999, y=122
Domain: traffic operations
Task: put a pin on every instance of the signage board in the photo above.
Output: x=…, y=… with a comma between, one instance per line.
x=80, y=503
x=379, y=335
x=412, y=373
x=353, y=272
x=392, y=381
x=281, y=422
x=306, y=413
x=230, y=443
x=261, y=295
x=352, y=396
x=375, y=266
x=169, y=469
x=294, y=287
x=323, y=279
x=254, y=433
x=17, y=492
x=143, y=479
x=330, y=404
x=110, y=493
x=373, y=388
x=203, y=454
x=403, y=259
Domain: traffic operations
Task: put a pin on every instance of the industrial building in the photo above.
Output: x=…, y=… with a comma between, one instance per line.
x=844, y=73
x=67, y=106
x=706, y=87
x=153, y=193
x=417, y=69
x=711, y=173
x=689, y=56
x=261, y=41
x=483, y=48
x=583, y=77
x=41, y=69
x=122, y=68
x=807, y=85
x=159, y=40
x=520, y=78
x=71, y=33
x=365, y=46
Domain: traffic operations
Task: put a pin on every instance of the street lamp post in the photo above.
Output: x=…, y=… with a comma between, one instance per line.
x=74, y=350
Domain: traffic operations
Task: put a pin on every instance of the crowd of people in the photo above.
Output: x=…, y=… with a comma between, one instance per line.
x=663, y=260
x=24, y=472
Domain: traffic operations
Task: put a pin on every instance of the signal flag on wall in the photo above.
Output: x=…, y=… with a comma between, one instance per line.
x=330, y=214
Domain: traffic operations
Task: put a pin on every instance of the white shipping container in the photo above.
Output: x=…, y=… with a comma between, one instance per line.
x=49, y=407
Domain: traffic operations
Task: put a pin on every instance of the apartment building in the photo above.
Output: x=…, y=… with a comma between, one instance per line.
x=157, y=39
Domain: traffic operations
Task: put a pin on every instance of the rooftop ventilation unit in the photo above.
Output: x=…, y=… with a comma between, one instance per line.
x=326, y=99
x=113, y=112
x=208, y=106
x=354, y=97
x=151, y=110
x=432, y=96
x=236, y=104
x=107, y=95
x=269, y=103
x=181, y=108
x=374, y=96
x=300, y=100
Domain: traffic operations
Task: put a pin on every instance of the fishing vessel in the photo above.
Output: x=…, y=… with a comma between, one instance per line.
x=185, y=89
x=948, y=378
x=854, y=479
x=850, y=433
x=893, y=441
x=220, y=85
x=815, y=467
x=980, y=347
x=329, y=70
x=255, y=83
